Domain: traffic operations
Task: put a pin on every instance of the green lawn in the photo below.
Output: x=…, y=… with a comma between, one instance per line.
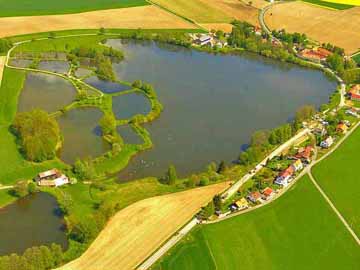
x=340, y=179
x=329, y=4
x=6, y=198
x=298, y=231
x=43, y=7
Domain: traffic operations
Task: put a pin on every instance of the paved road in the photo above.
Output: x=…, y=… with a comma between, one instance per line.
x=235, y=187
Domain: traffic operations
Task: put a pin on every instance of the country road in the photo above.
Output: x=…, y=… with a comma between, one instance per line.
x=2, y=64
x=6, y=187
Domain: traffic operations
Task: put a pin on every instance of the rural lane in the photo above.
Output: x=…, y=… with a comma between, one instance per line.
x=2, y=65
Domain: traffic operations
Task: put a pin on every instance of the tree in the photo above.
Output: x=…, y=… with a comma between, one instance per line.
x=108, y=123
x=217, y=202
x=171, y=175
x=304, y=113
x=38, y=133
x=260, y=138
x=336, y=62
x=222, y=167
x=102, y=31
x=84, y=170
x=207, y=211
x=31, y=188
x=137, y=84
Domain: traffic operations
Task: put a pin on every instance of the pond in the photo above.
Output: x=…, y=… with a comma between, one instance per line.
x=82, y=135
x=55, y=66
x=212, y=103
x=46, y=92
x=127, y=106
x=38, y=222
x=23, y=63
x=129, y=135
x=105, y=86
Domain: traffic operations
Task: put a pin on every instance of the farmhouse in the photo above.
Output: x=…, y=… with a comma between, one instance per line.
x=327, y=142
x=203, y=40
x=355, y=92
x=315, y=54
x=268, y=193
x=52, y=178
x=254, y=197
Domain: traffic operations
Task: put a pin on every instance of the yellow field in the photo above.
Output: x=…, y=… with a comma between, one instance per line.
x=135, y=232
x=195, y=10
x=346, y=2
x=136, y=17
x=339, y=27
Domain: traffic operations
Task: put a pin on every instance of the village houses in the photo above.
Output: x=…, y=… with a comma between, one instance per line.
x=327, y=142
x=268, y=193
x=254, y=197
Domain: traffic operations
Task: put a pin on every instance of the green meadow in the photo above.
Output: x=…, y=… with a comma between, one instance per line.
x=331, y=5
x=298, y=231
x=339, y=178
x=45, y=7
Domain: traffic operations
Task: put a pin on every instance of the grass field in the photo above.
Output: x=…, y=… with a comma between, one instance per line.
x=340, y=5
x=339, y=178
x=339, y=27
x=138, y=230
x=44, y=7
x=6, y=198
x=146, y=17
x=298, y=231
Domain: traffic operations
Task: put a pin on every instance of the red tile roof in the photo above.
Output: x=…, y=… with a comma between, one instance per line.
x=267, y=192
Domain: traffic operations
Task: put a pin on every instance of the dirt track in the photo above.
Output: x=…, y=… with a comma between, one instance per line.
x=136, y=17
x=137, y=231
x=341, y=28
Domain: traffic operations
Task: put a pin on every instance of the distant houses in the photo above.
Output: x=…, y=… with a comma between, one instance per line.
x=254, y=197
x=315, y=54
x=268, y=193
x=341, y=128
x=203, y=39
x=239, y=205
x=52, y=178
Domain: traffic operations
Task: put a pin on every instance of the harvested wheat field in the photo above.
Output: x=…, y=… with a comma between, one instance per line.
x=2, y=64
x=196, y=10
x=137, y=231
x=339, y=27
x=148, y=17
x=237, y=9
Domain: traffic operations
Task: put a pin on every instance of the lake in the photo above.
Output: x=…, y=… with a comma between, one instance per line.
x=38, y=222
x=212, y=103
x=128, y=105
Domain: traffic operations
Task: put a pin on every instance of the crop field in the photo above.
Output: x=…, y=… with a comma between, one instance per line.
x=147, y=17
x=333, y=4
x=298, y=231
x=339, y=27
x=44, y=7
x=138, y=230
x=339, y=178
x=196, y=10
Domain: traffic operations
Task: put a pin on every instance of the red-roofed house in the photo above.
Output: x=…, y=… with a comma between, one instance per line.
x=305, y=155
x=284, y=177
x=355, y=92
x=317, y=55
x=268, y=193
x=254, y=196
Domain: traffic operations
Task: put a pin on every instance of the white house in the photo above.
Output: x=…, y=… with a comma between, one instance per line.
x=203, y=40
x=327, y=143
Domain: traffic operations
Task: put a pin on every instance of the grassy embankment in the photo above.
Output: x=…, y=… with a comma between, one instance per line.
x=338, y=5
x=356, y=58
x=44, y=7
x=297, y=231
x=339, y=178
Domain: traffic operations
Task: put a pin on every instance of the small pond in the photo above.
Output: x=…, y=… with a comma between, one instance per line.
x=22, y=63
x=129, y=135
x=126, y=106
x=82, y=135
x=31, y=221
x=212, y=103
x=105, y=86
x=54, y=66
x=47, y=92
